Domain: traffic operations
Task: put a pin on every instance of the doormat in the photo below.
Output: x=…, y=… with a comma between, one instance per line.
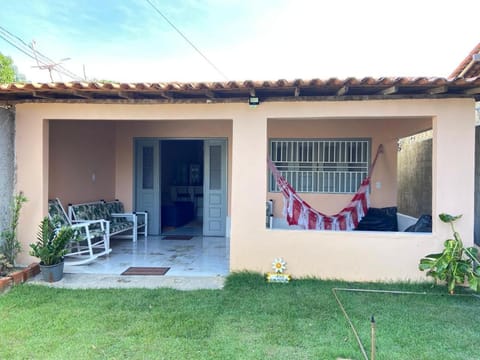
x=177, y=237
x=146, y=271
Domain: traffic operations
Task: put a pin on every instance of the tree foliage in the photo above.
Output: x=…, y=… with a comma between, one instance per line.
x=8, y=71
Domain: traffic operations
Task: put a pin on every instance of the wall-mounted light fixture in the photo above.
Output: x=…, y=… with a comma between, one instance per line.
x=253, y=101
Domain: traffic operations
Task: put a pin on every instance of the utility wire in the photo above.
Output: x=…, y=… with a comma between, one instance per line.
x=187, y=40
x=18, y=48
x=42, y=60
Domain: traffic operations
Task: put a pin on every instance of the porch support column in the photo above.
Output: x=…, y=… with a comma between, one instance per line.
x=249, y=154
x=31, y=143
x=454, y=168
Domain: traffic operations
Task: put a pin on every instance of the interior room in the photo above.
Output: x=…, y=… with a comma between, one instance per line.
x=182, y=187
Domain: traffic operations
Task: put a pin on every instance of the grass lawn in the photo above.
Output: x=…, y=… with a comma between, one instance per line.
x=249, y=319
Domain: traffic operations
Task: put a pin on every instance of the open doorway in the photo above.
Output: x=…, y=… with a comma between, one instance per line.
x=182, y=168
x=183, y=185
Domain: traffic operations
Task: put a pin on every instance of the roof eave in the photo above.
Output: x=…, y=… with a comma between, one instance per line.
x=332, y=89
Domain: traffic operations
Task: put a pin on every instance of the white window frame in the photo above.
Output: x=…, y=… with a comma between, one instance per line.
x=335, y=166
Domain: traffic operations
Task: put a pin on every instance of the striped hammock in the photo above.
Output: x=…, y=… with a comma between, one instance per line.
x=298, y=212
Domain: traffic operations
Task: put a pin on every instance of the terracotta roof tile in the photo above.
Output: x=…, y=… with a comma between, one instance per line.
x=279, y=90
x=316, y=82
x=299, y=82
x=469, y=67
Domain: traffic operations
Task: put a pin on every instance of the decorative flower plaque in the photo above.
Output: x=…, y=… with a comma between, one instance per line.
x=278, y=276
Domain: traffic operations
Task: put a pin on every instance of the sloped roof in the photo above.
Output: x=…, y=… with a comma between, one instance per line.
x=470, y=66
x=239, y=91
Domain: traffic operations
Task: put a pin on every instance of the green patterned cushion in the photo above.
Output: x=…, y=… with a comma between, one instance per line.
x=91, y=211
x=120, y=226
x=115, y=207
x=103, y=210
x=56, y=213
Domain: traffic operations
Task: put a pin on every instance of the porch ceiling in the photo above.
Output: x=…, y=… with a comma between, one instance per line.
x=239, y=91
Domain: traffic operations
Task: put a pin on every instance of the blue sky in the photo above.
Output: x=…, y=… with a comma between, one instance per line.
x=126, y=40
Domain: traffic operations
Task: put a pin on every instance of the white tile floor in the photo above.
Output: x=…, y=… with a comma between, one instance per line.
x=200, y=256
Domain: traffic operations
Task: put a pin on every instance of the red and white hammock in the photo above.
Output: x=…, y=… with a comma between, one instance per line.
x=298, y=212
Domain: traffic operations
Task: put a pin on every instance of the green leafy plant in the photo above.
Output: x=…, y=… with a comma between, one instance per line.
x=456, y=263
x=10, y=246
x=51, y=245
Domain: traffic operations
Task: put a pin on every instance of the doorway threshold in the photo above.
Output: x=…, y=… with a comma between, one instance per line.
x=193, y=228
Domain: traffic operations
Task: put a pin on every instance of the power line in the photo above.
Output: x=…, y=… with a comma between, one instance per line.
x=42, y=60
x=187, y=40
x=13, y=44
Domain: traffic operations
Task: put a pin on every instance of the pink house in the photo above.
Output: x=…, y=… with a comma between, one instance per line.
x=149, y=144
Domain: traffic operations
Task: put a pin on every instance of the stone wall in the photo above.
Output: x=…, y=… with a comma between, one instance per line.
x=7, y=158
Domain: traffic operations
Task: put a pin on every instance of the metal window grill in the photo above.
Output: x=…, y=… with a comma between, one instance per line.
x=322, y=166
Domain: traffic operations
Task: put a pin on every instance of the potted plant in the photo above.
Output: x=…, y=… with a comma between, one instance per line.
x=456, y=264
x=51, y=247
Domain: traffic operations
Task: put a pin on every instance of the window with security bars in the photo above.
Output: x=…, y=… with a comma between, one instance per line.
x=321, y=166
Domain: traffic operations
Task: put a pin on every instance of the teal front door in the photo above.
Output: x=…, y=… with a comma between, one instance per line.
x=147, y=182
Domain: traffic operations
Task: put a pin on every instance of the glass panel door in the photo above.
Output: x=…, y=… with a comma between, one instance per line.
x=215, y=189
x=147, y=182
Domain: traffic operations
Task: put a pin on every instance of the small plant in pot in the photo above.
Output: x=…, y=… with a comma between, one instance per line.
x=51, y=247
x=456, y=264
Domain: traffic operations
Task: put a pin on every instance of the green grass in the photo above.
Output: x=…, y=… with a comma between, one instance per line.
x=249, y=319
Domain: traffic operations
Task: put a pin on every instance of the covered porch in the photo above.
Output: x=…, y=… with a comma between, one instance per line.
x=164, y=167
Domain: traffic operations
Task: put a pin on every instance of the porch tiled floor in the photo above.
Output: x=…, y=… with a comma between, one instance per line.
x=200, y=256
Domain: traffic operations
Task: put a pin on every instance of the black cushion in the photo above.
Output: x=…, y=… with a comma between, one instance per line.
x=379, y=219
x=423, y=224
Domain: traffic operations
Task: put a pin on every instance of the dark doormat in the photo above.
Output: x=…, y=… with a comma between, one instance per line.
x=177, y=237
x=146, y=271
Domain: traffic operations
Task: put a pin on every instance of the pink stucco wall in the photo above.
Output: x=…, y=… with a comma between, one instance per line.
x=346, y=255
x=82, y=161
